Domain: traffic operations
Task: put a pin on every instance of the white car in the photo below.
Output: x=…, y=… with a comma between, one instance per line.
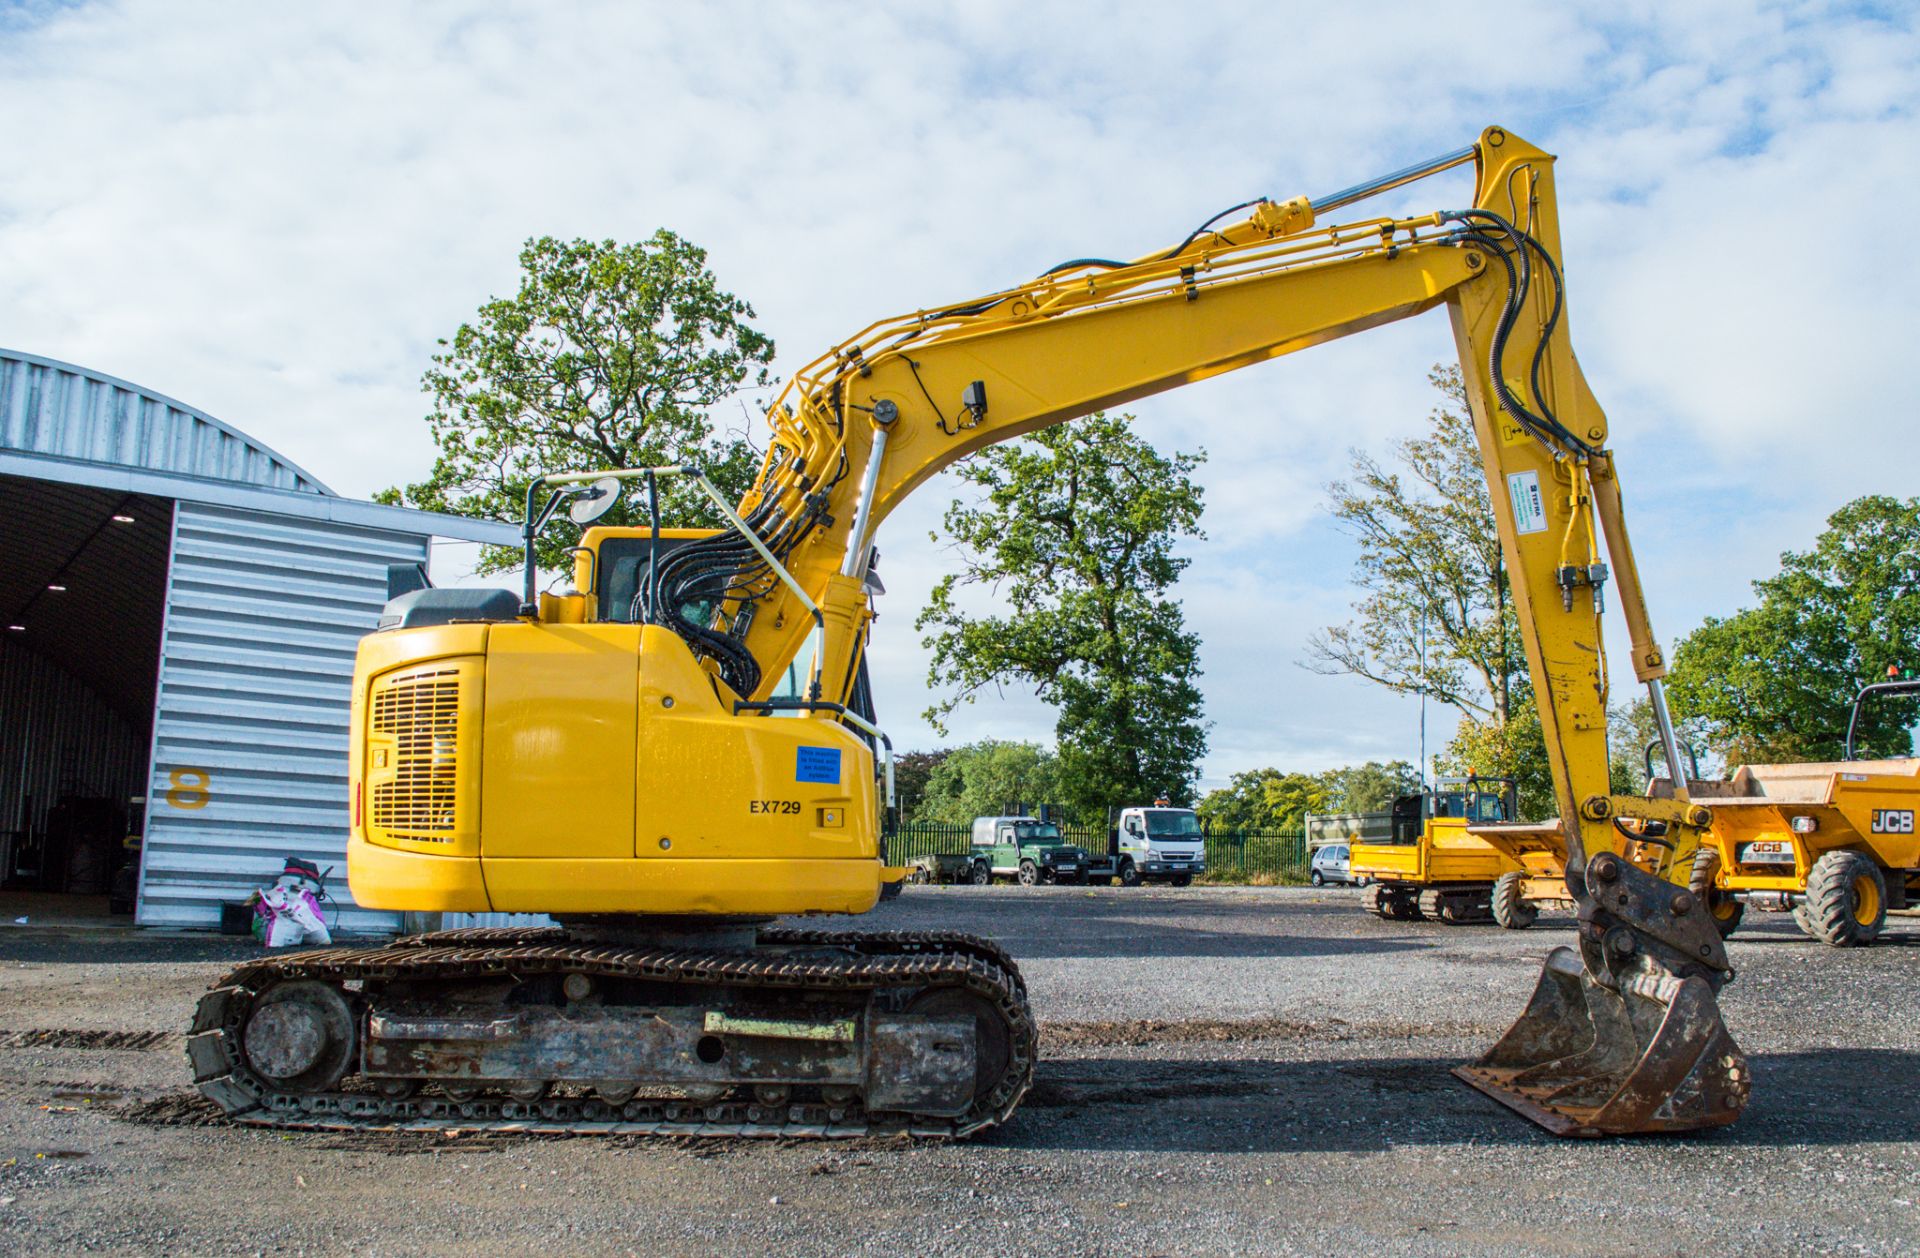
x=1332, y=864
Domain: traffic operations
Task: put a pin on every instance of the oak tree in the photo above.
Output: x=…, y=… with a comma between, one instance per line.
x=1074, y=529
x=1776, y=681
x=608, y=355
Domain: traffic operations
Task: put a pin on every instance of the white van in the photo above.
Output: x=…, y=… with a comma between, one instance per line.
x=1159, y=845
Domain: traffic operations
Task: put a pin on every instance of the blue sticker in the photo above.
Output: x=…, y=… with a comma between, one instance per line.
x=817, y=764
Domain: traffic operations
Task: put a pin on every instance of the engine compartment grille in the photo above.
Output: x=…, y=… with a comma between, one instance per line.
x=419, y=712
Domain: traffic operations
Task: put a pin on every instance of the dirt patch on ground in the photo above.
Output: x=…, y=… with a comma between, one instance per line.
x=184, y=1108
x=1204, y=1031
x=116, y=1041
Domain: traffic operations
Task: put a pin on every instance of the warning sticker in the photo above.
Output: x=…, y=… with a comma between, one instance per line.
x=1529, y=508
x=817, y=764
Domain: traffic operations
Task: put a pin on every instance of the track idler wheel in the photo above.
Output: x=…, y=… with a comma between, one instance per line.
x=300, y=1036
x=1373, y=900
x=1624, y=1035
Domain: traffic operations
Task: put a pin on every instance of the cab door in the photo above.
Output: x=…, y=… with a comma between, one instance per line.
x=1006, y=849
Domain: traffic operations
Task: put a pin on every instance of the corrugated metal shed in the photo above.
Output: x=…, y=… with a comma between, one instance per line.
x=270, y=580
x=62, y=411
x=264, y=613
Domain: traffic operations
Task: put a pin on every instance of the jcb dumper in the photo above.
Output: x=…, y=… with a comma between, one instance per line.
x=1833, y=842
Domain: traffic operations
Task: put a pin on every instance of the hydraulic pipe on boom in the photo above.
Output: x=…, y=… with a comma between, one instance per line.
x=644, y=703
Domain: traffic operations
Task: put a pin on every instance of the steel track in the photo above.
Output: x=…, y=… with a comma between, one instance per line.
x=790, y=961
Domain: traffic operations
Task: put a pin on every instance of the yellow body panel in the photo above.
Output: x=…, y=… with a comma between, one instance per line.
x=714, y=784
x=415, y=882
x=720, y=887
x=568, y=803
x=558, y=750
x=389, y=871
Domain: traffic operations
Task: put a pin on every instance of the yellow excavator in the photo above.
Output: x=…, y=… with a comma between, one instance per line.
x=677, y=752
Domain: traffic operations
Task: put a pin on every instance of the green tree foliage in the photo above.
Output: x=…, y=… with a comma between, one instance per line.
x=1515, y=749
x=1074, y=528
x=1267, y=800
x=609, y=355
x=1430, y=563
x=1262, y=800
x=911, y=772
x=1775, y=682
x=1631, y=730
x=1369, y=787
x=985, y=778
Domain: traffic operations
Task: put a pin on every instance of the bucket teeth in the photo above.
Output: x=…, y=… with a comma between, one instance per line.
x=1586, y=1060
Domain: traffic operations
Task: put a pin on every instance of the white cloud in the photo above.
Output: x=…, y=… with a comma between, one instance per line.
x=271, y=213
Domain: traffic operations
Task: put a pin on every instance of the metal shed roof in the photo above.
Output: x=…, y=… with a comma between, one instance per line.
x=58, y=409
x=65, y=423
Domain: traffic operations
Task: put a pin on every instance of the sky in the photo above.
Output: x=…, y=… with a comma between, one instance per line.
x=271, y=212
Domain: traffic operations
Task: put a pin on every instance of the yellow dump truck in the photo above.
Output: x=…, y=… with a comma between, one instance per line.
x=1835, y=842
x=1430, y=867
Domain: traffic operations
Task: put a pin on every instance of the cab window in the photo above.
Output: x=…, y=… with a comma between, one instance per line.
x=1173, y=825
x=623, y=564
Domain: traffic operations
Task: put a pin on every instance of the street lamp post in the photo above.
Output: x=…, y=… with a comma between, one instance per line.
x=1423, y=697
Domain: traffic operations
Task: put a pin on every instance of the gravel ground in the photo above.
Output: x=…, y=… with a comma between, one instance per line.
x=1226, y=1070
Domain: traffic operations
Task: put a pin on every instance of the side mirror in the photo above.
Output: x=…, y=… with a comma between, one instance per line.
x=594, y=500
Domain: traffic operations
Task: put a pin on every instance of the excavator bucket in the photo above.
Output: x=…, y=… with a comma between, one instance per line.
x=1589, y=1060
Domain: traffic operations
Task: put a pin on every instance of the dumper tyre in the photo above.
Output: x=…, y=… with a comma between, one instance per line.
x=1029, y=874
x=1511, y=908
x=1726, y=912
x=1846, y=900
x=981, y=874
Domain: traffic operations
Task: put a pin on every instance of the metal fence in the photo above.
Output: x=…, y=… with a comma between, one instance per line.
x=1231, y=857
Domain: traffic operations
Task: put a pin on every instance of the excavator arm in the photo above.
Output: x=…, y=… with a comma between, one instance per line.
x=1626, y=1035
